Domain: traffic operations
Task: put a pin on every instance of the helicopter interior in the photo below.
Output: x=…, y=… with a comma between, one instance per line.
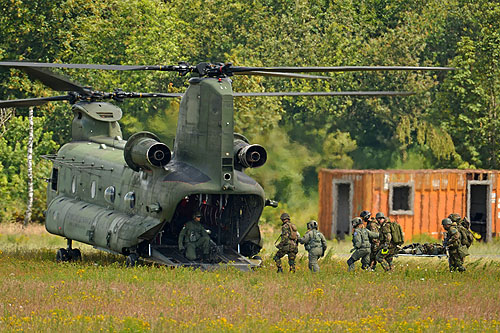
x=230, y=220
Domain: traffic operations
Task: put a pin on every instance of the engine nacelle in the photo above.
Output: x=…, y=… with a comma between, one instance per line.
x=143, y=150
x=247, y=155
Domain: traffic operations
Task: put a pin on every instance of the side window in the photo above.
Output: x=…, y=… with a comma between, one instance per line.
x=53, y=180
x=401, y=199
x=73, y=185
x=129, y=199
x=93, y=189
x=109, y=194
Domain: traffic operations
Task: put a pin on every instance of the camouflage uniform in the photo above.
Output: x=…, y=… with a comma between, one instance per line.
x=288, y=245
x=456, y=251
x=387, y=250
x=315, y=244
x=361, y=244
x=454, y=217
x=194, y=237
x=373, y=226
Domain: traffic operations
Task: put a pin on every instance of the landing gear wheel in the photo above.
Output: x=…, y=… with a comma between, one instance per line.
x=62, y=255
x=76, y=255
x=131, y=260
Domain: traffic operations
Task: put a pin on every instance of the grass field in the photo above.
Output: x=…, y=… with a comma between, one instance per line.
x=100, y=294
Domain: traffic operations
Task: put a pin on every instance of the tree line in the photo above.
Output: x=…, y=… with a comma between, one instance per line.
x=451, y=121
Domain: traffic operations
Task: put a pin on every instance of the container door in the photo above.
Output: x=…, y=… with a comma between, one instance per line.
x=478, y=208
x=342, y=208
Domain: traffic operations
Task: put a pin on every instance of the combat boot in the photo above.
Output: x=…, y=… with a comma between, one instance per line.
x=350, y=265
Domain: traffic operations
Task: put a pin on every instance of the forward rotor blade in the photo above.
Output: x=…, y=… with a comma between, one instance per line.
x=327, y=93
x=251, y=70
x=289, y=75
x=32, y=101
x=51, y=79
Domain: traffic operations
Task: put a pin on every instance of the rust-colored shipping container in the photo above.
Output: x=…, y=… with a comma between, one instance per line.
x=417, y=199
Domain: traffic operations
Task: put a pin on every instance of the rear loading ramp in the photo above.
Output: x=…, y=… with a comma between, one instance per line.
x=221, y=257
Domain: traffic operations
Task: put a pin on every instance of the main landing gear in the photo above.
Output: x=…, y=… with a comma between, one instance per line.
x=68, y=254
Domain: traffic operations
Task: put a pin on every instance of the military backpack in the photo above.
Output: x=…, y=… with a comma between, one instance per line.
x=398, y=237
x=466, y=237
x=294, y=235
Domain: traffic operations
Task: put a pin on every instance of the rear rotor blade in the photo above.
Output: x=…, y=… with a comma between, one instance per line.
x=32, y=101
x=289, y=75
x=90, y=66
x=327, y=93
x=122, y=95
x=184, y=68
x=251, y=70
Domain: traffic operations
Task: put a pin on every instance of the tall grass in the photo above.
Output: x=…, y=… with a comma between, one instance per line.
x=99, y=293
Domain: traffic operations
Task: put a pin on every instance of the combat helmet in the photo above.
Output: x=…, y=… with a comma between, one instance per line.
x=454, y=217
x=312, y=224
x=196, y=213
x=446, y=221
x=356, y=221
x=284, y=216
x=365, y=215
x=380, y=215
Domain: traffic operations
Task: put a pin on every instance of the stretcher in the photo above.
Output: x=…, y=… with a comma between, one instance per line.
x=422, y=250
x=421, y=255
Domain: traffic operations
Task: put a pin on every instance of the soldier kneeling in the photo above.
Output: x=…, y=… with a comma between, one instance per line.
x=194, y=238
x=315, y=244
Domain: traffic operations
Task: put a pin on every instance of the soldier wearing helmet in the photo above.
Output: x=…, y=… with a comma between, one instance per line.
x=464, y=222
x=386, y=249
x=193, y=238
x=315, y=244
x=452, y=242
x=365, y=216
x=288, y=244
x=361, y=244
x=374, y=226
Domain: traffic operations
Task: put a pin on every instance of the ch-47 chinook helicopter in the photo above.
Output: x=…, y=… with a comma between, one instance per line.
x=132, y=197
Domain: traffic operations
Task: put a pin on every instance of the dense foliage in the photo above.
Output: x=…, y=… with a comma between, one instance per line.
x=451, y=121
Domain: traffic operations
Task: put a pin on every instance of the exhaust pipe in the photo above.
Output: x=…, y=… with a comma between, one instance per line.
x=143, y=150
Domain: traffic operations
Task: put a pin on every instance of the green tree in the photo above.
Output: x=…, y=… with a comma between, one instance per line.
x=13, y=168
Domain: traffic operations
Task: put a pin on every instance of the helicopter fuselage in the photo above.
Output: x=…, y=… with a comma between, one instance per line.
x=125, y=196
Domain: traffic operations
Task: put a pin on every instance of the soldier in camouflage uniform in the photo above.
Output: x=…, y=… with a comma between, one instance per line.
x=387, y=249
x=452, y=242
x=366, y=216
x=288, y=244
x=361, y=244
x=373, y=225
x=464, y=222
x=315, y=244
x=193, y=237
x=463, y=225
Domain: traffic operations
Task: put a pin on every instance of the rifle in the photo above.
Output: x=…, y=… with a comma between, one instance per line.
x=276, y=241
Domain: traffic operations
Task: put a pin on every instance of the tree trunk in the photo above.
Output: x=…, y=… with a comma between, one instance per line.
x=27, y=217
